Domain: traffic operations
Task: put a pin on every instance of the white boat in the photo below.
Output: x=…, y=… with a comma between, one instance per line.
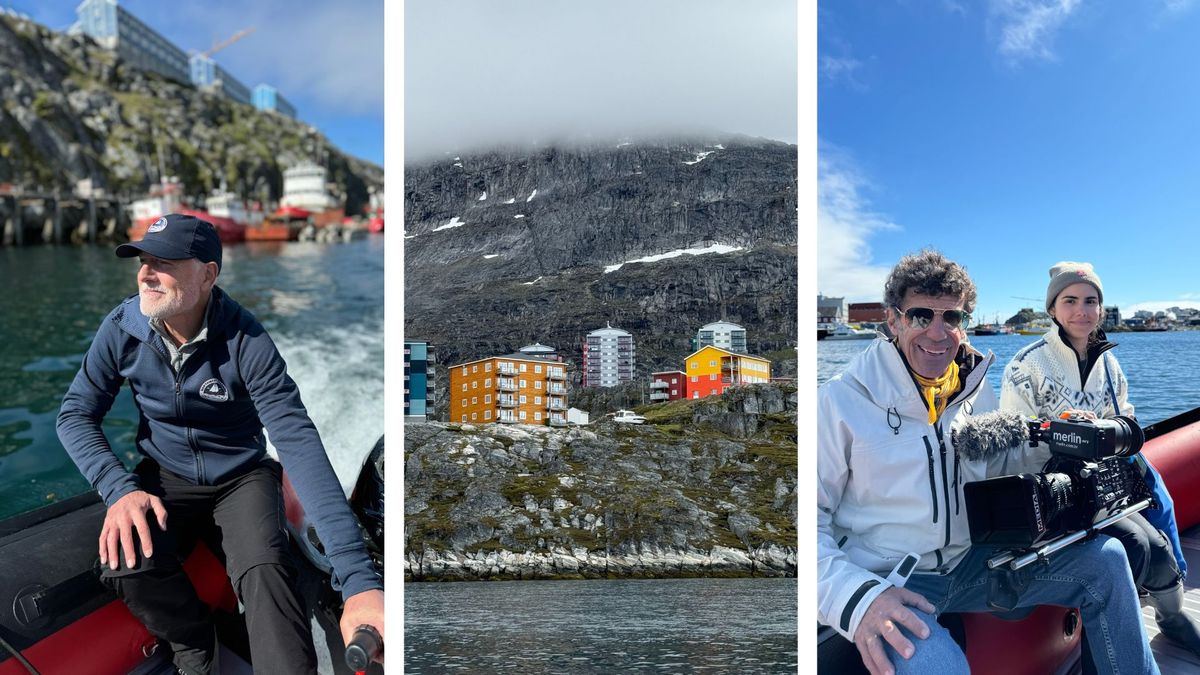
x=844, y=332
x=628, y=417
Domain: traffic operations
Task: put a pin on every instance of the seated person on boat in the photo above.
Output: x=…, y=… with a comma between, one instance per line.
x=207, y=379
x=1072, y=370
x=890, y=483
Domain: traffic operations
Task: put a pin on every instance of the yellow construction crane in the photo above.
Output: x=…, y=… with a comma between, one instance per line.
x=228, y=41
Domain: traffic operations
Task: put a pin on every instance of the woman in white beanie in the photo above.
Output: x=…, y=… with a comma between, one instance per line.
x=1072, y=369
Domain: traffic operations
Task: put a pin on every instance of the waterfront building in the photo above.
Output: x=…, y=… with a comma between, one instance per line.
x=869, y=312
x=266, y=97
x=519, y=388
x=1112, y=316
x=608, y=356
x=136, y=43
x=711, y=370
x=418, y=380
x=722, y=334
x=208, y=76
x=668, y=385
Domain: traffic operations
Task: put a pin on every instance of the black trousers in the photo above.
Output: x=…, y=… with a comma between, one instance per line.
x=1151, y=558
x=242, y=521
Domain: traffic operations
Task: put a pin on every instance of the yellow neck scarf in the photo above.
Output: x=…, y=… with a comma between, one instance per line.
x=938, y=390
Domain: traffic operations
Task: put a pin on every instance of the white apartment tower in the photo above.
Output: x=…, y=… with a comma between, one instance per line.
x=724, y=335
x=607, y=357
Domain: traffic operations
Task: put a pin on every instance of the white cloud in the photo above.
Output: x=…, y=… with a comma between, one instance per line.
x=1178, y=6
x=836, y=69
x=1027, y=27
x=1158, y=306
x=845, y=225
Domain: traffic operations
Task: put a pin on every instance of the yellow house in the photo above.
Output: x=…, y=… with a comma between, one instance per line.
x=712, y=370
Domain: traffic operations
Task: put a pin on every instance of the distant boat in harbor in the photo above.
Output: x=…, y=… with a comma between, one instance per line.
x=992, y=329
x=844, y=332
x=167, y=197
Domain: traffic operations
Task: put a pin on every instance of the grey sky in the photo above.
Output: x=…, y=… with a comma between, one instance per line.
x=482, y=72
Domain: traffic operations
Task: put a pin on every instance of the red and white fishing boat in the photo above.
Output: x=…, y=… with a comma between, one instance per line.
x=225, y=211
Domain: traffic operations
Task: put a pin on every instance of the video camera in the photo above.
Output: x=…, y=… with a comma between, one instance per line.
x=1086, y=480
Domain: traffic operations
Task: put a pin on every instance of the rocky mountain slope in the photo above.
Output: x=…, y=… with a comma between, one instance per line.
x=706, y=487
x=72, y=110
x=510, y=247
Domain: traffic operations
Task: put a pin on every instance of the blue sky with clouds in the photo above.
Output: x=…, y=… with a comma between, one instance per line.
x=325, y=56
x=1011, y=134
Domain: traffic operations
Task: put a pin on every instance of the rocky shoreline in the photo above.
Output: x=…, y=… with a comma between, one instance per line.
x=705, y=488
x=768, y=560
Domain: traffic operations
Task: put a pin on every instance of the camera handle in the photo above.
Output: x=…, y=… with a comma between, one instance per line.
x=1014, y=562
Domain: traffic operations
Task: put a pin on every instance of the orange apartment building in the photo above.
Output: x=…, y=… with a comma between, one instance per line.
x=712, y=370
x=515, y=389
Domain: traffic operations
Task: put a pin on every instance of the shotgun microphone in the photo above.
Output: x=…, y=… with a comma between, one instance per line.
x=991, y=434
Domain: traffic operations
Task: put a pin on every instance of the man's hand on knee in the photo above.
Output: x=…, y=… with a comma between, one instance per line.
x=880, y=623
x=125, y=516
x=364, y=608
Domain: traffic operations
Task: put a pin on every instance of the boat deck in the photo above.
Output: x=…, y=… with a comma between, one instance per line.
x=1173, y=660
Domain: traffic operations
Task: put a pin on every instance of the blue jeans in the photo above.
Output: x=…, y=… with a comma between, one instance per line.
x=1092, y=575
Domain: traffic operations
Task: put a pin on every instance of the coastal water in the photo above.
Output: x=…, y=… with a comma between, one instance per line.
x=601, y=626
x=322, y=303
x=1162, y=368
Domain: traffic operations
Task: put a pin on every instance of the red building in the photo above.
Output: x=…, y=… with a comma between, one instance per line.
x=872, y=312
x=669, y=385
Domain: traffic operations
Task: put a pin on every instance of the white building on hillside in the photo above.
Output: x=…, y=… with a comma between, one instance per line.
x=608, y=356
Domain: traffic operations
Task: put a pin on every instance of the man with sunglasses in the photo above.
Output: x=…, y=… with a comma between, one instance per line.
x=893, y=545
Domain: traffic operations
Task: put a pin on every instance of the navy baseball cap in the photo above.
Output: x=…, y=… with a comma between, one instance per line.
x=176, y=236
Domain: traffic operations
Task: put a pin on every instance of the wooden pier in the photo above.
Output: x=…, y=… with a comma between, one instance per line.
x=101, y=218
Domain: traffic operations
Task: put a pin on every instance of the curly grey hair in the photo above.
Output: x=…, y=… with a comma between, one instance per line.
x=928, y=273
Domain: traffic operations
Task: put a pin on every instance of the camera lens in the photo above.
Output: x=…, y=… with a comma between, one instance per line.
x=1122, y=436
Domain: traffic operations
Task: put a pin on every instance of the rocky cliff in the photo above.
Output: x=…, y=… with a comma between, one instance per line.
x=510, y=247
x=72, y=110
x=706, y=487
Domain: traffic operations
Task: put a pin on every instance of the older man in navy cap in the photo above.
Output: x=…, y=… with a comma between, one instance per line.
x=207, y=379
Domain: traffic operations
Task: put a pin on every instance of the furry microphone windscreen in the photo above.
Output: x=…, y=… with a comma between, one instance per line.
x=990, y=434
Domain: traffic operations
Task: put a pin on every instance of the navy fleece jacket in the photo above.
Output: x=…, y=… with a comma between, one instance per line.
x=206, y=422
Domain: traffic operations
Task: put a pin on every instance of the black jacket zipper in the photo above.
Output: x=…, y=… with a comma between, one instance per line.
x=932, y=480
x=945, y=481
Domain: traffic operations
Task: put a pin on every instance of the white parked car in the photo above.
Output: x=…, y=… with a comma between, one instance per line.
x=628, y=417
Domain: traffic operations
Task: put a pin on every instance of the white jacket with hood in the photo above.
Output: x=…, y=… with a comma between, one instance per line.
x=891, y=483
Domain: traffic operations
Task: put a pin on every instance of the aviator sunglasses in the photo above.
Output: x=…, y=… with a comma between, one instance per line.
x=921, y=317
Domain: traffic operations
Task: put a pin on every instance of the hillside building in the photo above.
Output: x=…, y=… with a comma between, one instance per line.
x=712, y=370
x=518, y=388
x=608, y=357
x=266, y=97
x=418, y=381
x=722, y=334
x=138, y=44
x=208, y=76
x=668, y=385
x=142, y=47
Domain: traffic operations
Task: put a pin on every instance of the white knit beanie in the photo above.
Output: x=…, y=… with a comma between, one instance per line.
x=1065, y=273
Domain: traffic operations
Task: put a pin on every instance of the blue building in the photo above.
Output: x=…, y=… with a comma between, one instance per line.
x=418, y=381
x=138, y=44
x=267, y=97
x=206, y=74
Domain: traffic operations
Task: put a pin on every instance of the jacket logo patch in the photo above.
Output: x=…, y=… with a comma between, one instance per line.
x=158, y=225
x=214, y=390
